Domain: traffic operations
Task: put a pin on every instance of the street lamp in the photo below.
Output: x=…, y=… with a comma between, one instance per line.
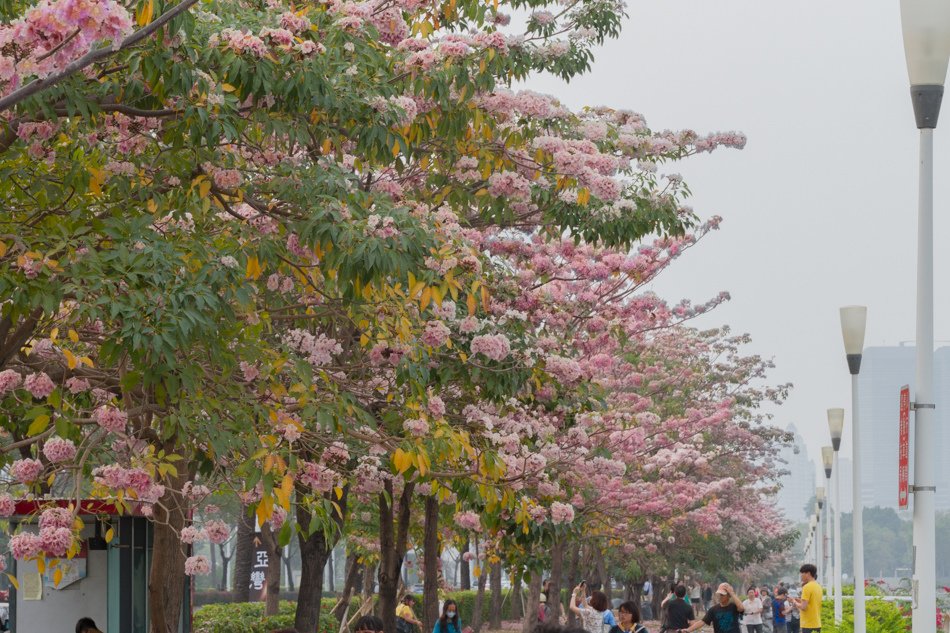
x=853, y=320
x=812, y=522
x=926, y=26
x=836, y=427
x=822, y=526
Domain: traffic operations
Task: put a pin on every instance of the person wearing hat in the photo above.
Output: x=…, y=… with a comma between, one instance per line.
x=724, y=615
x=542, y=608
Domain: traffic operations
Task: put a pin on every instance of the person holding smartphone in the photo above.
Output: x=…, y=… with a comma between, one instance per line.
x=724, y=615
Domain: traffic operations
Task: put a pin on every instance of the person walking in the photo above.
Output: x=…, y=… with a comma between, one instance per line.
x=780, y=610
x=794, y=615
x=628, y=620
x=724, y=615
x=595, y=613
x=679, y=613
x=810, y=603
x=449, y=621
x=752, y=612
x=696, y=597
x=765, y=594
x=405, y=617
x=707, y=596
x=646, y=600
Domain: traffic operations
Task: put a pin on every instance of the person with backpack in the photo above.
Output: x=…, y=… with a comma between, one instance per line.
x=595, y=613
x=405, y=618
x=629, y=619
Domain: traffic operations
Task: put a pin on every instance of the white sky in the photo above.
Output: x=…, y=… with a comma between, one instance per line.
x=820, y=208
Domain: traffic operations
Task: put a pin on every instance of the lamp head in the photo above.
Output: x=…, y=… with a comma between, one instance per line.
x=853, y=322
x=827, y=459
x=926, y=28
x=836, y=426
x=820, y=495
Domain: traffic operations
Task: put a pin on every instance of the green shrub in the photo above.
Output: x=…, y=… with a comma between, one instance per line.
x=248, y=617
x=882, y=617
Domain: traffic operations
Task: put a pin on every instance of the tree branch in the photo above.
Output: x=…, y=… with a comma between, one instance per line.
x=93, y=56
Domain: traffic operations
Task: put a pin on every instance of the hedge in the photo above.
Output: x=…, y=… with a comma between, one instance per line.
x=248, y=617
x=882, y=617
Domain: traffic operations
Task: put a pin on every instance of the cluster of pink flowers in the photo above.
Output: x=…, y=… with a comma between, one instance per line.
x=195, y=492
x=52, y=34
x=190, y=535
x=417, y=427
x=494, y=346
x=318, y=477
x=39, y=385
x=117, y=478
x=77, y=385
x=567, y=370
x=57, y=449
x=249, y=370
x=218, y=531
x=468, y=520
x=56, y=517
x=111, y=419
x=561, y=513
x=26, y=470
x=383, y=228
x=294, y=22
x=436, y=406
x=9, y=380
x=197, y=566
x=509, y=184
x=240, y=42
x=436, y=334
x=7, y=505
x=319, y=350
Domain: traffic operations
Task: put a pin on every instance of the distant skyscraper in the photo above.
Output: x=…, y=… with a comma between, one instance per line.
x=798, y=486
x=884, y=370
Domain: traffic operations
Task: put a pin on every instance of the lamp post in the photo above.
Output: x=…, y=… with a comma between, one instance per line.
x=813, y=554
x=822, y=526
x=853, y=320
x=835, y=426
x=926, y=28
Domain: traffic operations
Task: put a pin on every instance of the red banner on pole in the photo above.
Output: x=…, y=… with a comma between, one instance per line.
x=903, y=449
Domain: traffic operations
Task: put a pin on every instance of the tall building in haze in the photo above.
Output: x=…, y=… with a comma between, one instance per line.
x=798, y=484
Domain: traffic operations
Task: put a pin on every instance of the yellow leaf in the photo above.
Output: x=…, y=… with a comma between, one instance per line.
x=146, y=12
x=327, y=146
x=485, y=302
x=57, y=576
x=53, y=334
x=85, y=360
x=425, y=298
x=73, y=336
x=110, y=534
x=268, y=463
x=152, y=206
x=472, y=305
x=583, y=197
x=13, y=581
x=402, y=460
x=41, y=565
x=38, y=425
x=3, y=249
x=477, y=571
x=70, y=359
x=51, y=479
x=253, y=268
x=228, y=88
x=204, y=188
x=339, y=492
x=96, y=178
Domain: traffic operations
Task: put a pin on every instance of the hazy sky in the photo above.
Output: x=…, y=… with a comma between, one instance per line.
x=820, y=208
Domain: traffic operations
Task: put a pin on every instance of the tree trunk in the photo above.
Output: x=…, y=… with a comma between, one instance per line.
x=431, y=554
x=289, y=568
x=496, y=596
x=352, y=577
x=573, y=571
x=314, y=551
x=330, y=574
x=517, y=607
x=479, y=595
x=272, y=575
x=225, y=567
x=393, y=539
x=534, y=595
x=166, y=580
x=554, y=587
x=243, y=556
x=465, y=576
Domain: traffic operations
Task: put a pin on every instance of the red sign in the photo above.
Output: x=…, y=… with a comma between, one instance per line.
x=903, y=449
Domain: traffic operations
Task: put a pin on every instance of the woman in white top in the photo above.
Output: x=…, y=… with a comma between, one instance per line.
x=595, y=614
x=752, y=618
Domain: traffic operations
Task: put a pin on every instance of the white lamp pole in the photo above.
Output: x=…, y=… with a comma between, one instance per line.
x=853, y=320
x=926, y=27
x=830, y=454
x=822, y=526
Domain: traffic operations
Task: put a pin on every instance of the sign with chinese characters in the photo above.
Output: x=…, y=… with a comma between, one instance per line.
x=903, y=449
x=259, y=570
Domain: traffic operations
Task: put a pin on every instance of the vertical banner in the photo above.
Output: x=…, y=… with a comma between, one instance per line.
x=258, y=570
x=903, y=449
